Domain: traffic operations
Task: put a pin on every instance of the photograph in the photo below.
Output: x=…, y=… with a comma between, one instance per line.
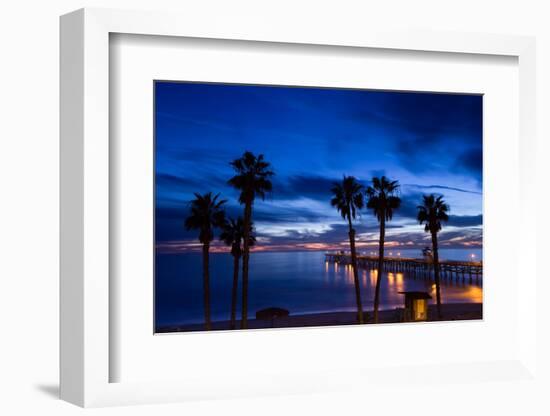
x=290, y=206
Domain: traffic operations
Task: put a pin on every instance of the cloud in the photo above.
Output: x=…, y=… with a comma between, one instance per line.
x=337, y=239
x=464, y=238
x=183, y=187
x=313, y=137
x=411, y=201
x=409, y=205
x=280, y=215
x=470, y=162
x=465, y=220
x=309, y=186
x=175, y=183
x=425, y=131
x=442, y=187
x=426, y=114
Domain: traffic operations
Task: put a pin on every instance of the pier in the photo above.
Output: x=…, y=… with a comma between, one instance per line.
x=422, y=267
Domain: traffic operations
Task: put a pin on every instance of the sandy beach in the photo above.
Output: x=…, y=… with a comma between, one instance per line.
x=451, y=312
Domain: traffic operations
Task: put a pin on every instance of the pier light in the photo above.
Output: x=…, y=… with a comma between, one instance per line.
x=473, y=256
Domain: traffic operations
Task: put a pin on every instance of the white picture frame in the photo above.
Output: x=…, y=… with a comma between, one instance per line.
x=85, y=219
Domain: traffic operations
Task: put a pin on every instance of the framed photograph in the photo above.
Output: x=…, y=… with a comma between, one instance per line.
x=308, y=176
x=274, y=202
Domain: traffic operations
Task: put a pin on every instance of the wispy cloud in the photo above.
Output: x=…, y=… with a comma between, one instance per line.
x=443, y=188
x=430, y=142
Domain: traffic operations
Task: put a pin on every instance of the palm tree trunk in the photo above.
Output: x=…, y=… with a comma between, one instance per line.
x=380, y=267
x=246, y=235
x=436, y=273
x=355, y=273
x=206, y=285
x=234, y=291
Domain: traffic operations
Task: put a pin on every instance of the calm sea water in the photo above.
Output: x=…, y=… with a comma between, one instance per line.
x=301, y=282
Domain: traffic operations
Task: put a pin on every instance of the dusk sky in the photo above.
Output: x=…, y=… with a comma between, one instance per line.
x=430, y=143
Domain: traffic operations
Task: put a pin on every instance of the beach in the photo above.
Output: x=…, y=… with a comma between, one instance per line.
x=450, y=312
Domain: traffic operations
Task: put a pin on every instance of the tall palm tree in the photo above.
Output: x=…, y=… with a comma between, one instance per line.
x=348, y=200
x=232, y=235
x=432, y=213
x=252, y=175
x=383, y=201
x=206, y=214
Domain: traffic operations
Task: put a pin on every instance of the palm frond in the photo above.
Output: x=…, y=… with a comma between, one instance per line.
x=206, y=213
x=382, y=198
x=252, y=175
x=347, y=197
x=433, y=211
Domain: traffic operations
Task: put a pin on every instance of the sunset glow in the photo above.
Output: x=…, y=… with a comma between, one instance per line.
x=201, y=127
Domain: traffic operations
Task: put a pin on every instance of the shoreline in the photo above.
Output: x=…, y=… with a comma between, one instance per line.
x=450, y=312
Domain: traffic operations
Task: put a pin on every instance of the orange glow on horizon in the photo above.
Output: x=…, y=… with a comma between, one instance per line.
x=216, y=246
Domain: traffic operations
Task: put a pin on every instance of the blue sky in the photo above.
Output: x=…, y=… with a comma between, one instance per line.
x=430, y=143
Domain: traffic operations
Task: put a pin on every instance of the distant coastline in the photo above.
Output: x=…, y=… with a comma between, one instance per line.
x=446, y=252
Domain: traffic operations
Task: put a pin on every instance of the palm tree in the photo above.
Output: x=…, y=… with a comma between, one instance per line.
x=383, y=200
x=348, y=200
x=252, y=179
x=433, y=211
x=206, y=214
x=232, y=235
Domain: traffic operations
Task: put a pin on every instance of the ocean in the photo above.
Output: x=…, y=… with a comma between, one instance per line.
x=301, y=282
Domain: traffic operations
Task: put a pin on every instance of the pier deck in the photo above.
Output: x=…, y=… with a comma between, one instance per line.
x=449, y=269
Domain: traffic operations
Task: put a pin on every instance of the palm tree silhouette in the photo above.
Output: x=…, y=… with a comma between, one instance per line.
x=432, y=213
x=348, y=200
x=382, y=199
x=232, y=235
x=206, y=214
x=252, y=179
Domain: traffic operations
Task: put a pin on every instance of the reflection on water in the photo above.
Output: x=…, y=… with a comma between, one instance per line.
x=301, y=282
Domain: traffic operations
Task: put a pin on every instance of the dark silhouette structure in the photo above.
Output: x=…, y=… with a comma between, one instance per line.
x=206, y=214
x=432, y=212
x=252, y=175
x=348, y=200
x=271, y=314
x=232, y=235
x=383, y=201
x=416, y=306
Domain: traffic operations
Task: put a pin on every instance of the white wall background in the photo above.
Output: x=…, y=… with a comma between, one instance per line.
x=29, y=206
